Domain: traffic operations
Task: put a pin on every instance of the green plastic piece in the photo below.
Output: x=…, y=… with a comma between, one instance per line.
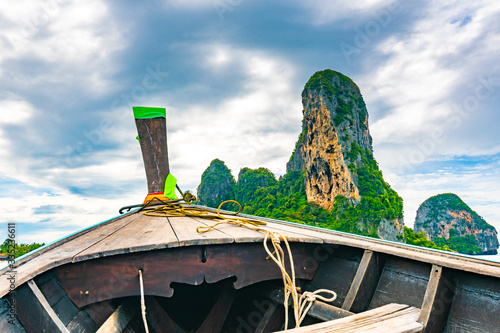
x=169, y=191
x=137, y=137
x=143, y=112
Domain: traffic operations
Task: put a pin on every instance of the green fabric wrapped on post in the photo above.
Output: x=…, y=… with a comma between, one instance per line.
x=143, y=112
x=169, y=191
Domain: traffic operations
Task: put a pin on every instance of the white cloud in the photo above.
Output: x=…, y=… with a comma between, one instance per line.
x=13, y=112
x=75, y=38
x=327, y=11
x=425, y=68
x=476, y=186
x=250, y=129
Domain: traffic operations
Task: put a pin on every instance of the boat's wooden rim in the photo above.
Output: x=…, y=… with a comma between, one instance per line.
x=135, y=232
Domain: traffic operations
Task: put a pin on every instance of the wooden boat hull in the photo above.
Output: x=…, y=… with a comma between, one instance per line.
x=221, y=281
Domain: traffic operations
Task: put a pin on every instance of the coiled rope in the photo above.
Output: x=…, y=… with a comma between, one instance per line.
x=301, y=303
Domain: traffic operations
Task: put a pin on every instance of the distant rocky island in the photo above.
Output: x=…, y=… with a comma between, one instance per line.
x=447, y=220
x=332, y=179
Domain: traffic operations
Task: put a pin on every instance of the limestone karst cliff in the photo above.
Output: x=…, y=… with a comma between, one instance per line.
x=447, y=220
x=335, y=151
x=217, y=184
x=332, y=179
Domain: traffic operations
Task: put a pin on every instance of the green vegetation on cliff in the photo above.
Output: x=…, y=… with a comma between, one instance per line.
x=462, y=244
x=420, y=239
x=217, y=184
x=334, y=86
x=261, y=194
x=448, y=221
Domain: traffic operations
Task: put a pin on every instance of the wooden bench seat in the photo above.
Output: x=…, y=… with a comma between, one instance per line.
x=390, y=318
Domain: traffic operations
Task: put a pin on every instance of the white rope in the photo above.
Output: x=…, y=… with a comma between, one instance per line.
x=308, y=298
x=143, y=303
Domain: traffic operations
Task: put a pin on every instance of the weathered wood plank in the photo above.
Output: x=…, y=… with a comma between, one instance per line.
x=145, y=233
x=34, y=311
x=370, y=273
x=441, y=258
x=159, y=318
x=57, y=298
x=335, y=272
x=402, y=281
x=153, y=140
x=117, y=276
x=185, y=230
x=99, y=311
x=475, y=306
x=242, y=234
x=239, y=234
x=62, y=252
x=430, y=295
x=267, y=321
x=217, y=316
x=390, y=318
x=358, y=278
x=82, y=323
x=118, y=320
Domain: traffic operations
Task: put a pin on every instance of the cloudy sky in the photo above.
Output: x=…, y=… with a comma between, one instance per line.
x=230, y=74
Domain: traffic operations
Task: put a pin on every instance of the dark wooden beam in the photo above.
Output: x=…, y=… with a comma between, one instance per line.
x=318, y=310
x=272, y=319
x=437, y=300
x=364, y=283
x=118, y=320
x=159, y=318
x=35, y=312
x=57, y=298
x=153, y=140
x=99, y=311
x=217, y=316
x=336, y=271
x=116, y=276
x=430, y=294
x=358, y=278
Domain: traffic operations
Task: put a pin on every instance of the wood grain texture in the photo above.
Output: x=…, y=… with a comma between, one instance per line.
x=153, y=140
x=365, y=282
x=430, y=295
x=34, y=312
x=185, y=230
x=118, y=320
x=358, y=278
x=336, y=270
x=143, y=234
x=62, y=252
x=475, y=306
x=117, y=276
x=217, y=316
x=401, y=281
x=441, y=258
x=389, y=318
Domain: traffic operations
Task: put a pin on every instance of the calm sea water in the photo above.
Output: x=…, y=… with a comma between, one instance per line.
x=495, y=257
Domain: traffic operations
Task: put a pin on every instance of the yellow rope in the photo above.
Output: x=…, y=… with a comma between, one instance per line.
x=301, y=303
